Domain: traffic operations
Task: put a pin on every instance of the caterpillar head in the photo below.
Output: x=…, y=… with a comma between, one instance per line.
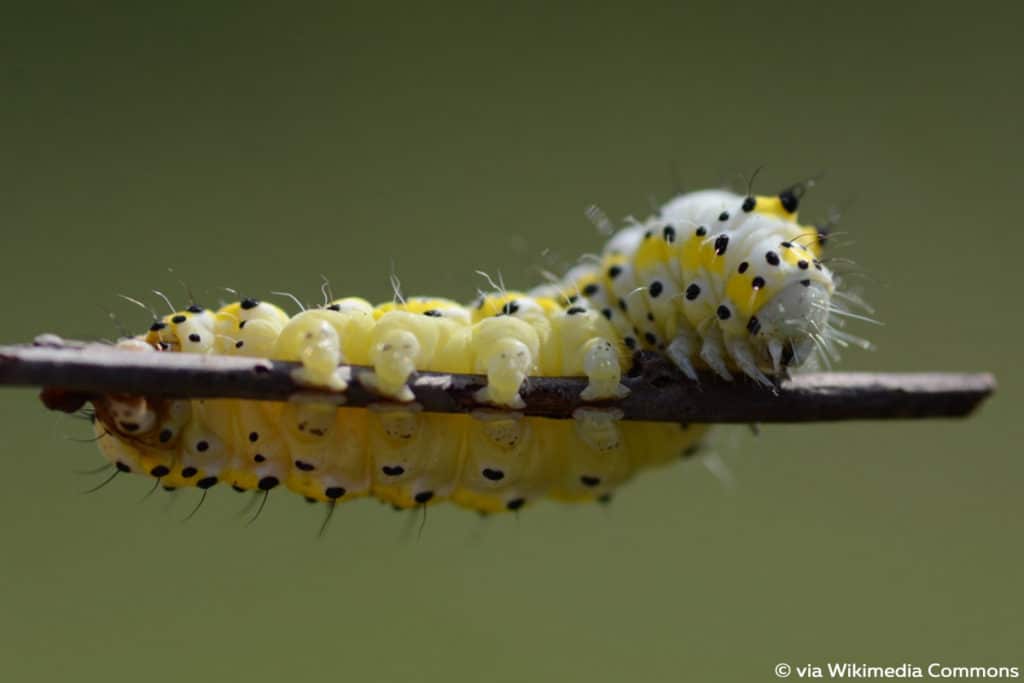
x=786, y=328
x=777, y=297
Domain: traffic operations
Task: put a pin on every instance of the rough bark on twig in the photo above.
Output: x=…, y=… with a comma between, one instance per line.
x=659, y=392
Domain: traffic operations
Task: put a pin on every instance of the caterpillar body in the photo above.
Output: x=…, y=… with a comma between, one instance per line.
x=715, y=280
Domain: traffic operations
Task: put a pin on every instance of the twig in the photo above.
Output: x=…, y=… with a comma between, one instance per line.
x=79, y=370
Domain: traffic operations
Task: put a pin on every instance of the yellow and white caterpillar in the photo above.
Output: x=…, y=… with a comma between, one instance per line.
x=715, y=280
x=494, y=459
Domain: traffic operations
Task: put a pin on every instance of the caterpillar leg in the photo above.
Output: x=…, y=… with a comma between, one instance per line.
x=507, y=350
x=398, y=422
x=680, y=350
x=507, y=365
x=775, y=349
x=594, y=473
x=743, y=355
x=312, y=341
x=394, y=360
x=586, y=346
x=712, y=352
x=604, y=373
x=503, y=428
x=599, y=428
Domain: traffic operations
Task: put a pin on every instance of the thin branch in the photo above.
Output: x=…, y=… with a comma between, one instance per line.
x=75, y=371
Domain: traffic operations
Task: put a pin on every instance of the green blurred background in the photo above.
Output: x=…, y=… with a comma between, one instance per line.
x=258, y=148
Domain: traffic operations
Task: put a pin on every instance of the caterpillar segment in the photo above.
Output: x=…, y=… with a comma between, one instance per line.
x=248, y=328
x=321, y=339
x=403, y=342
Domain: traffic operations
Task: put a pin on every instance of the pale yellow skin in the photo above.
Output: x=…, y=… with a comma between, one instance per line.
x=327, y=447
x=494, y=460
x=250, y=331
x=414, y=458
x=490, y=463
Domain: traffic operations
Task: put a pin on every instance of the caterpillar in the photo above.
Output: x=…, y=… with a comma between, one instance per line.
x=714, y=280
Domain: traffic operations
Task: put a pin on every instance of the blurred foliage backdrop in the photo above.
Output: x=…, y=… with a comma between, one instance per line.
x=258, y=147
